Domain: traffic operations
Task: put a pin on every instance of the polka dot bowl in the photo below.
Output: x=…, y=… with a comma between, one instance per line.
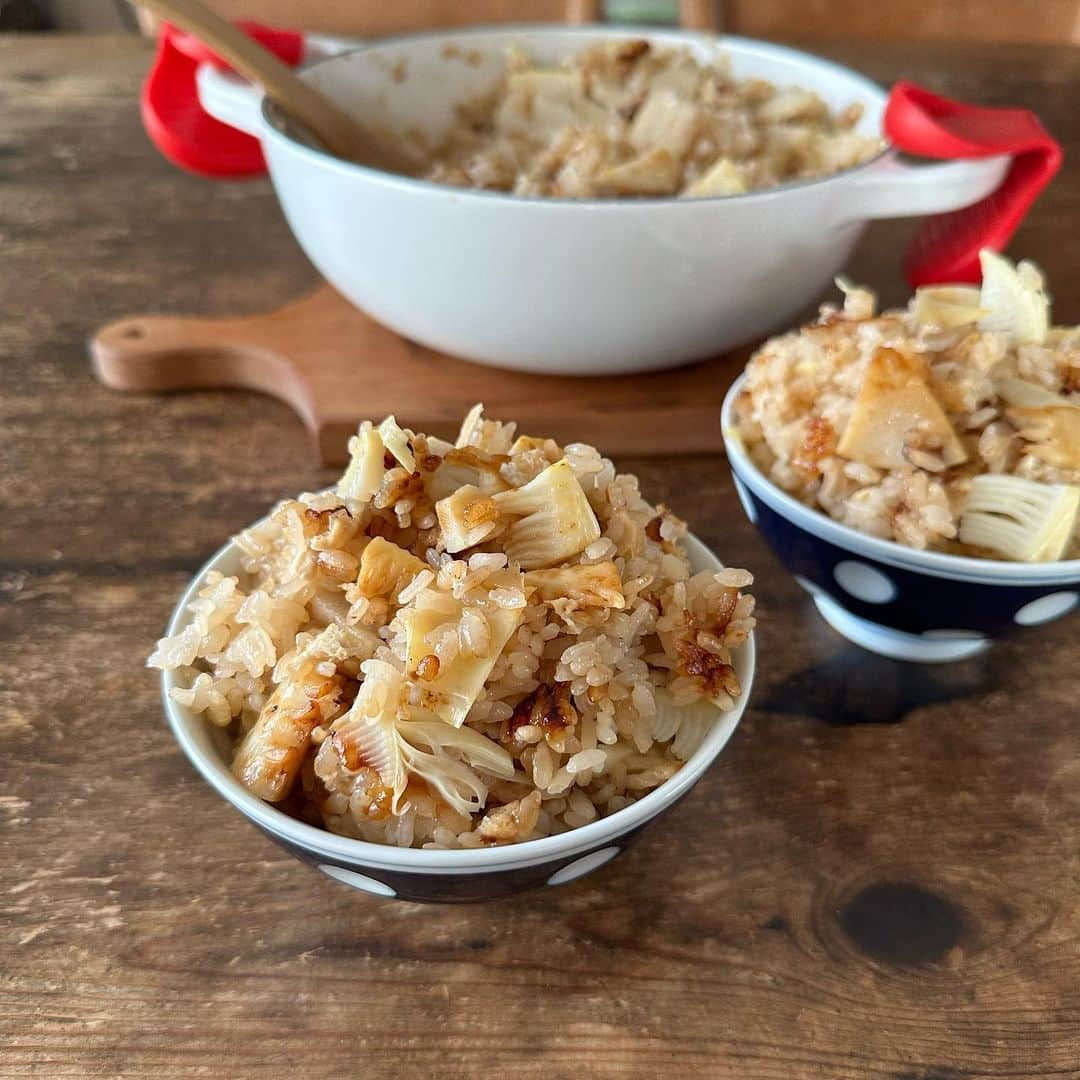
x=444, y=876
x=921, y=606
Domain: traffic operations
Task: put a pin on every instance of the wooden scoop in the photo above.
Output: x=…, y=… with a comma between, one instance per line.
x=323, y=119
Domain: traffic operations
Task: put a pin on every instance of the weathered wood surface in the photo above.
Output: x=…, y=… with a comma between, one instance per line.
x=878, y=878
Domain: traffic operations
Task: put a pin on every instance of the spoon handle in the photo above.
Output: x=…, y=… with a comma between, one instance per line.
x=331, y=125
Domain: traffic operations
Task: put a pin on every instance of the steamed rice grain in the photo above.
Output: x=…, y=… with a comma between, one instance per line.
x=383, y=687
x=981, y=385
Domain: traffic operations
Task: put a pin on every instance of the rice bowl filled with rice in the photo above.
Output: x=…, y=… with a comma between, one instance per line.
x=462, y=645
x=951, y=426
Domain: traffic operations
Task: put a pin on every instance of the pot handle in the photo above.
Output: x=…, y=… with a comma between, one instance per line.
x=234, y=101
x=998, y=161
x=218, y=142
x=229, y=99
x=891, y=188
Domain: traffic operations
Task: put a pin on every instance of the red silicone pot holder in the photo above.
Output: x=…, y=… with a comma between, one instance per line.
x=176, y=122
x=946, y=247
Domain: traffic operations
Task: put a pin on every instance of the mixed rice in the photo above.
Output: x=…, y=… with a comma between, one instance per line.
x=462, y=645
x=953, y=425
x=624, y=119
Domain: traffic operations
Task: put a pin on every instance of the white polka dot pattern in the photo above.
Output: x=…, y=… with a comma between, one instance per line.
x=864, y=582
x=1047, y=608
x=356, y=880
x=585, y=865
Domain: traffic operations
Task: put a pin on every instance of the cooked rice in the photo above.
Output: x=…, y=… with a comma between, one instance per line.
x=623, y=118
x=339, y=661
x=974, y=355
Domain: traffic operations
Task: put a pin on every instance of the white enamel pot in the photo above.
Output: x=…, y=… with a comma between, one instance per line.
x=592, y=287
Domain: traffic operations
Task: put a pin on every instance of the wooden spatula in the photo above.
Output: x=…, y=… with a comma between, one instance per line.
x=339, y=133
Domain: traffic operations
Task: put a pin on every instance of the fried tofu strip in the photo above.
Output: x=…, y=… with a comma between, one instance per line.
x=268, y=760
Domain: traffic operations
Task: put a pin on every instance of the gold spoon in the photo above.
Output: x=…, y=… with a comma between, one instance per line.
x=335, y=129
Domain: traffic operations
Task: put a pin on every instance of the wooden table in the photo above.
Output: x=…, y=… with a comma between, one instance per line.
x=878, y=878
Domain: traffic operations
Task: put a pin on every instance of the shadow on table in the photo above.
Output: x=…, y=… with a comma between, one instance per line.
x=853, y=686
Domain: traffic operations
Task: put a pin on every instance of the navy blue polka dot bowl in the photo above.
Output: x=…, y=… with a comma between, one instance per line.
x=443, y=875
x=927, y=607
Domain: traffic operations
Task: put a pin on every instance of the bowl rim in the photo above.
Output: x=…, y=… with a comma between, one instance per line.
x=873, y=91
x=933, y=563
x=320, y=842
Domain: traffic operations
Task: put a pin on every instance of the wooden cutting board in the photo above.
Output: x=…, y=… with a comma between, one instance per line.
x=335, y=366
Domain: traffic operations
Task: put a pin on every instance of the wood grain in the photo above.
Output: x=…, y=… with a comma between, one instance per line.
x=373, y=20
x=335, y=366
x=878, y=878
x=1047, y=21
x=1030, y=21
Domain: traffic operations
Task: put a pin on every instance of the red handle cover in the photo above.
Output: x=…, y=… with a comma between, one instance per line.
x=946, y=247
x=176, y=122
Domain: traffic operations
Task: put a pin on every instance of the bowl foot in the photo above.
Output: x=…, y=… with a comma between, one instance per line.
x=937, y=647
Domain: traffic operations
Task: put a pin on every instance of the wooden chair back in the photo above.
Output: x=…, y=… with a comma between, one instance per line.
x=373, y=19
x=1032, y=21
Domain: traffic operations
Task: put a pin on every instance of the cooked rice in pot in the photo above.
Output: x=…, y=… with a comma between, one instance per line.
x=462, y=645
x=626, y=119
x=952, y=425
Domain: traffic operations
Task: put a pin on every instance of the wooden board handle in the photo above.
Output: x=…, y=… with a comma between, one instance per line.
x=335, y=366
x=156, y=353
